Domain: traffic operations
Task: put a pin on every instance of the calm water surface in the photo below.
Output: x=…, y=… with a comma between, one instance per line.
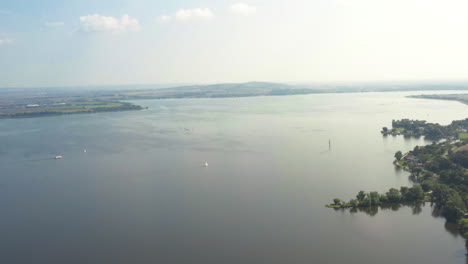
x=140, y=193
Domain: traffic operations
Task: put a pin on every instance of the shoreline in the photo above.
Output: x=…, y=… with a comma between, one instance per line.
x=445, y=97
x=74, y=110
x=13, y=103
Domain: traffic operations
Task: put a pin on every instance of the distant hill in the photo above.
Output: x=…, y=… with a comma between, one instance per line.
x=271, y=88
x=215, y=90
x=129, y=92
x=233, y=87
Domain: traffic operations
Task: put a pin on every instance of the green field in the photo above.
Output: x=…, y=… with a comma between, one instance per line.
x=104, y=105
x=463, y=135
x=78, y=107
x=70, y=107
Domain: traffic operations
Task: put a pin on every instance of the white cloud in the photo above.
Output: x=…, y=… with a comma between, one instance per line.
x=243, y=9
x=196, y=13
x=98, y=23
x=164, y=19
x=189, y=14
x=54, y=24
x=5, y=41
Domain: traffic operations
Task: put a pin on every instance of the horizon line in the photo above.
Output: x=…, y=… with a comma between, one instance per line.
x=174, y=85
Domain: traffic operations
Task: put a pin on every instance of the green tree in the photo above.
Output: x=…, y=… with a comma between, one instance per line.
x=427, y=185
x=416, y=171
x=434, y=131
x=415, y=193
x=404, y=192
x=365, y=202
x=374, y=198
x=383, y=198
x=398, y=155
x=454, y=208
x=428, y=175
x=337, y=201
x=360, y=196
x=353, y=202
x=393, y=195
x=461, y=157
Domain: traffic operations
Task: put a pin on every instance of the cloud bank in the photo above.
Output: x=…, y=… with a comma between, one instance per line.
x=243, y=9
x=99, y=23
x=189, y=14
x=5, y=41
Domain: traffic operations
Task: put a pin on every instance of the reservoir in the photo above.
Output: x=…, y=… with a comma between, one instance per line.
x=132, y=187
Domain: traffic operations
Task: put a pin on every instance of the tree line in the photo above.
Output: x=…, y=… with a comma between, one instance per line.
x=440, y=171
x=419, y=128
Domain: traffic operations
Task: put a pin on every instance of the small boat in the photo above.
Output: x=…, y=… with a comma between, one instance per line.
x=58, y=157
x=84, y=151
x=206, y=164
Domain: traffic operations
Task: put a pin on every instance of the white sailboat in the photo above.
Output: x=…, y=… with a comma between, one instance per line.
x=206, y=164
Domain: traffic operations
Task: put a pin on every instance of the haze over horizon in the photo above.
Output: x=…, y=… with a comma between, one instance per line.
x=50, y=43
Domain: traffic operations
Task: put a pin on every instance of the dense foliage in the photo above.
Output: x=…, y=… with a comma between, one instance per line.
x=442, y=169
x=363, y=199
x=439, y=169
x=419, y=128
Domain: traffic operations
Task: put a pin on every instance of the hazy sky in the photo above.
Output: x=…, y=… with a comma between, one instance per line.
x=91, y=42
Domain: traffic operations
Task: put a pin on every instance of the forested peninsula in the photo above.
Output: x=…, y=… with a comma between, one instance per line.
x=439, y=171
x=432, y=131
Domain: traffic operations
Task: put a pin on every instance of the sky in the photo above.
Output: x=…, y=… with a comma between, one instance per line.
x=91, y=42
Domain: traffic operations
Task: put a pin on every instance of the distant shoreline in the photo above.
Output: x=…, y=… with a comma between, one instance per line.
x=29, y=103
x=69, y=108
x=462, y=98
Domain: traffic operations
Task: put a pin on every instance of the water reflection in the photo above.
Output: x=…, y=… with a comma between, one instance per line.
x=416, y=209
x=452, y=228
x=373, y=210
